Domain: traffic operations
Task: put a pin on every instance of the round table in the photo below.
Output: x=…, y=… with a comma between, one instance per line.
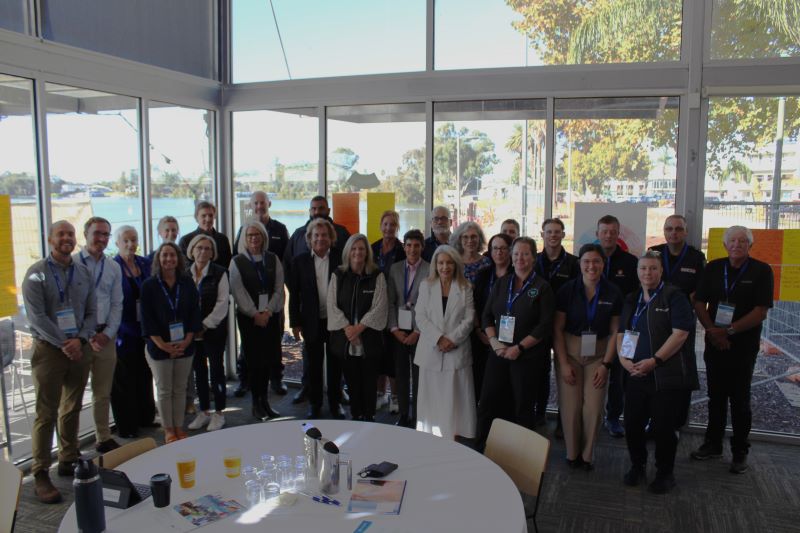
x=449, y=486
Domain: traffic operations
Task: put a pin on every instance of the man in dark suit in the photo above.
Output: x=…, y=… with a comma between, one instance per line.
x=308, y=276
x=205, y=214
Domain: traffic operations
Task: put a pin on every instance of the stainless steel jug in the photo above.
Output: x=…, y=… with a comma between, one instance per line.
x=311, y=445
x=329, y=463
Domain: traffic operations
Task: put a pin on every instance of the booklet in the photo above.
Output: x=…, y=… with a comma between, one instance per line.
x=207, y=509
x=379, y=496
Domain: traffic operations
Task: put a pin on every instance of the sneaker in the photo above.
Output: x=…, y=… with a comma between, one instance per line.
x=44, y=489
x=199, y=421
x=383, y=399
x=662, y=484
x=615, y=429
x=739, y=464
x=394, y=406
x=634, y=476
x=706, y=451
x=217, y=421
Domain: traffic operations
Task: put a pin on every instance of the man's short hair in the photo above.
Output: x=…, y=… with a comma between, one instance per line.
x=608, y=219
x=553, y=221
x=204, y=205
x=511, y=221
x=676, y=215
x=167, y=219
x=319, y=198
x=414, y=235
x=94, y=220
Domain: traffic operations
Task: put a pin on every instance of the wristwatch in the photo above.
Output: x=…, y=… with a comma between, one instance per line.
x=520, y=347
x=607, y=365
x=83, y=341
x=730, y=331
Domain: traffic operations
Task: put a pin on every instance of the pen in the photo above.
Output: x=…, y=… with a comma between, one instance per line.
x=321, y=499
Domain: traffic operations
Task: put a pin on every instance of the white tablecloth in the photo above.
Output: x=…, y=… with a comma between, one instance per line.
x=450, y=487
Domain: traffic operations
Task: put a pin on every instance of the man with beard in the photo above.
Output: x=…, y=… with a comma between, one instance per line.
x=440, y=231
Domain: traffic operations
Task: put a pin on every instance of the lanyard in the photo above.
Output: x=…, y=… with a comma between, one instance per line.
x=62, y=292
x=102, y=268
x=728, y=291
x=258, y=272
x=173, y=306
x=513, y=297
x=554, y=266
x=674, y=269
x=607, y=270
x=406, y=285
x=129, y=274
x=591, y=307
x=641, y=308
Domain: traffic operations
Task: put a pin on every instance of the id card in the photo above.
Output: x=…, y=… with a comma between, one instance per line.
x=629, y=342
x=263, y=301
x=66, y=321
x=404, y=319
x=176, y=332
x=588, y=344
x=724, y=316
x=507, y=323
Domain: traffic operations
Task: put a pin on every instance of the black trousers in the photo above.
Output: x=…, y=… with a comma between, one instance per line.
x=406, y=376
x=259, y=345
x=615, y=401
x=132, y=401
x=361, y=374
x=480, y=352
x=210, y=353
x=276, y=365
x=729, y=374
x=662, y=407
x=313, y=360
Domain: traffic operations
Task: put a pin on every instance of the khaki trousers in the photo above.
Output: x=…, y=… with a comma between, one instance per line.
x=581, y=404
x=59, y=383
x=171, y=376
x=102, y=372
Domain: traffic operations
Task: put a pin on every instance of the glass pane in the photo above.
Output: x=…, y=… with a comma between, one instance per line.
x=276, y=152
x=515, y=33
x=180, y=163
x=387, y=142
x=19, y=179
x=616, y=150
x=317, y=38
x=93, y=150
x=489, y=162
x=12, y=15
x=744, y=29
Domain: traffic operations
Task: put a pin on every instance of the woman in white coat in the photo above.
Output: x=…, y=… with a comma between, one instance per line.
x=445, y=317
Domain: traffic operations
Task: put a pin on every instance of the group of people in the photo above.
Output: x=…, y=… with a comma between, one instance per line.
x=460, y=328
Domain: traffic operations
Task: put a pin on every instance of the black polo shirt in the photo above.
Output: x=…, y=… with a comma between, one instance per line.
x=681, y=317
x=431, y=244
x=557, y=272
x=571, y=299
x=278, y=237
x=750, y=289
x=620, y=269
x=686, y=271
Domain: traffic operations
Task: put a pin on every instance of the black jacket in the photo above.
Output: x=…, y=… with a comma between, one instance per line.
x=220, y=239
x=301, y=279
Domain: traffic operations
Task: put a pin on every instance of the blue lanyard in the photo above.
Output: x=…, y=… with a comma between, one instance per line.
x=172, y=306
x=512, y=297
x=406, y=286
x=591, y=307
x=554, y=266
x=607, y=270
x=62, y=292
x=102, y=268
x=129, y=274
x=728, y=291
x=258, y=272
x=665, y=257
x=641, y=308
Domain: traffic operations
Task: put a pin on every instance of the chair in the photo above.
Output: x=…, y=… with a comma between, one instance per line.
x=522, y=454
x=116, y=457
x=10, y=485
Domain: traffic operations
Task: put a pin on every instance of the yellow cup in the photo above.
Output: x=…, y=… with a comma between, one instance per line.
x=232, y=459
x=186, y=469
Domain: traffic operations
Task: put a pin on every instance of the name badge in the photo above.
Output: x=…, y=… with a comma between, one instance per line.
x=724, y=316
x=507, y=323
x=263, y=301
x=588, y=344
x=629, y=342
x=176, y=332
x=66, y=321
x=138, y=310
x=404, y=319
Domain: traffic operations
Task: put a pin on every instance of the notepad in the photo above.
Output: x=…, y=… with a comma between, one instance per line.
x=378, y=496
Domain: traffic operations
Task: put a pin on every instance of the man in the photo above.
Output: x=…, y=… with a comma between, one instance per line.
x=204, y=214
x=557, y=267
x=278, y=240
x=168, y=231
x=404, y=280
x=732, y=300
x=107, y=283
x=298, y=245
x=510, y=227
x=440, y=231
x=62, y=313
x=620, y=269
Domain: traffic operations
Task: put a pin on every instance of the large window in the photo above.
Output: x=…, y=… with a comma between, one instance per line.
x=293, y=39
x=12, y=14
x=380, y=148
x=180, y=163
x=489, y=162
x=93, y=151
x=745, y=29
x=515, y=33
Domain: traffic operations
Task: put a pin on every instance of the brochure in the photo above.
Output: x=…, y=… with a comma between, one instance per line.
x=378, y=496
x=207, y=509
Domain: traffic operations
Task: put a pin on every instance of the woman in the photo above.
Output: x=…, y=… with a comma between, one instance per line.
x=132, y=392
x=445, y=316
x=170, y=320
x=517, y=318
x=587, y=314
x=212, y=285
x=500, y=255
x=469, y=241
x=257, y=288
x=652, y=348
x=357, y=309
x=387, y=251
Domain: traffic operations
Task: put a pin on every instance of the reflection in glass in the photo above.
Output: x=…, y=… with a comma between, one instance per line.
x=745, y=29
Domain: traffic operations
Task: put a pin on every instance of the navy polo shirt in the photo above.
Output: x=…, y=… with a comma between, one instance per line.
x=681, y=317
x=157, y=314
x=557, y=272
x=684, y=272
x=571, y=299
x=620, y=269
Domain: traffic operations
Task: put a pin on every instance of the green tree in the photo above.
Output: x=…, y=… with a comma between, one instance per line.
x=473, y=152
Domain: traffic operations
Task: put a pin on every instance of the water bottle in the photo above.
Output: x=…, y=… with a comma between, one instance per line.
x=89, y=498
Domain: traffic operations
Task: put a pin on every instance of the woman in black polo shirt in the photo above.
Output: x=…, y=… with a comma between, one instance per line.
x=587, y=314
x=170, y=320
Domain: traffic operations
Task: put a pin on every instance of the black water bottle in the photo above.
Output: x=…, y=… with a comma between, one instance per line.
x=89, y=498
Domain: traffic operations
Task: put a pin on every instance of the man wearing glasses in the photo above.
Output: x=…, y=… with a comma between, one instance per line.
x=440, y=231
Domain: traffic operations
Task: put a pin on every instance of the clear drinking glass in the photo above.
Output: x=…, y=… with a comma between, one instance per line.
x=270, y=484
x=249, y=473
x=286, y=474
x=254, y=492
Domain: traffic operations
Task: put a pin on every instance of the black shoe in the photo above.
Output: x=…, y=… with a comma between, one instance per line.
x=634, y=476
x=662, y=484
x=66, y=468
x=313, y=412
x=271, y=413
x=337, y=412
x=258, y=409
x=279, y=388
x=648, y=430
x=739, y=464
x=241, y=390
x=345, y=397
x=300, y=396
x=587, y=466
x=706, y=451
x=106, y=446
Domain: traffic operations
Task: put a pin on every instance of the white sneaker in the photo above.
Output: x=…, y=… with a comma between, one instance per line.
x=383, y=399
x=217, y=421
x=199, y=421
x=394, y=407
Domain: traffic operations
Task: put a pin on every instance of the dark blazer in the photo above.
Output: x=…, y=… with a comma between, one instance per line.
x=129, y=328
x=220, y=239
x=301, y=279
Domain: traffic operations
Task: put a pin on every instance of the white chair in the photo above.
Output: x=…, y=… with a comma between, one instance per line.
x=10, y=485
x=116, y=457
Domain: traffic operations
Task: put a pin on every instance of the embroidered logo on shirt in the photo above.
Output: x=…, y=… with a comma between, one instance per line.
x=690, y=270
x=533, y=292
x=661, y=309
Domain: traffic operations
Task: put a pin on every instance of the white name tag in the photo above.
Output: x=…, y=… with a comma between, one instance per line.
x=176, y=332
x=588, y=344
x=507, y=323
x=724, y=316
x=404, y=319
x=263, y=301
x=629, y=342
x=66, y=321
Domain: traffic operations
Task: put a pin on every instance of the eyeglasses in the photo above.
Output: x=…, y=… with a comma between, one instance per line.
x=253, y=236
x=500, y=248
x=440, y=219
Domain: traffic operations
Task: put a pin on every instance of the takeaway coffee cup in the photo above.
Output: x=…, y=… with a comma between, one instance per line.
x=160, y=485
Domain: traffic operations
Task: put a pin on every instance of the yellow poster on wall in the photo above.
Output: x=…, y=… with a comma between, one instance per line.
x=377, y=203
x=8, y=285
x=715, y=248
